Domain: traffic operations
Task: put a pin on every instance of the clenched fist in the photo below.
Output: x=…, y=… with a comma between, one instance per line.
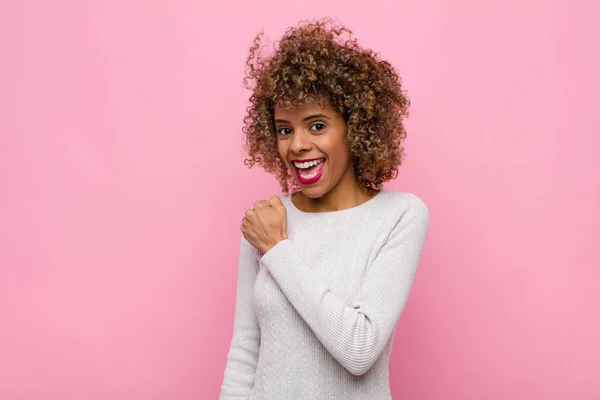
x=265, y=224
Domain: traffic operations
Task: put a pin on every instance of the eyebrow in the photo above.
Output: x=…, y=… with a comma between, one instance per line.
x=305, y=119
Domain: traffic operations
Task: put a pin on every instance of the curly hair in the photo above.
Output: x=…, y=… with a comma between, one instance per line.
x=321, y=61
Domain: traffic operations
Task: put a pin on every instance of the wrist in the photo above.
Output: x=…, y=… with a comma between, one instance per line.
x=274, y=243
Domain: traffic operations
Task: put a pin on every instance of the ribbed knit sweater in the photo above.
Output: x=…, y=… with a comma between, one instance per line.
x=315, y=316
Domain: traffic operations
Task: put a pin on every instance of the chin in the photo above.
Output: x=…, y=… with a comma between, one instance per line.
x=313, y=191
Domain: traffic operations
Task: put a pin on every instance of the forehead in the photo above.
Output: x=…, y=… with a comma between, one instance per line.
x=301, y=110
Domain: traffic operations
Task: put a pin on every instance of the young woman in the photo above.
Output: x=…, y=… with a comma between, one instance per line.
x=324, y=272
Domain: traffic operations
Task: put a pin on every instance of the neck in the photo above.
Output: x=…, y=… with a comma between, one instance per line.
x=348, y=193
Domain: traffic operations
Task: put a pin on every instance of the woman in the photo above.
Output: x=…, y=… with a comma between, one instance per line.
x=324, y=273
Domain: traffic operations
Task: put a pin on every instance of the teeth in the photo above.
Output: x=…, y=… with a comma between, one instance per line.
x=308, y=164
x=310, y=176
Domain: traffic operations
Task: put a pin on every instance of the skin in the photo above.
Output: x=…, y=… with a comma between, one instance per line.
x=304, y=133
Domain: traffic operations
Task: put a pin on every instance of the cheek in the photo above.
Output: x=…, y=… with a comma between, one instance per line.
x=281, y=149
x=342, y=162
x=342, y=154
x=338, y=161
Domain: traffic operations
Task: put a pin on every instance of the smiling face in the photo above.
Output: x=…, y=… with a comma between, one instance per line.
x=313, y=142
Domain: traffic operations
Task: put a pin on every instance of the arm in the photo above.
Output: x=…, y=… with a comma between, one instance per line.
x=356, y=334
x=242, y=357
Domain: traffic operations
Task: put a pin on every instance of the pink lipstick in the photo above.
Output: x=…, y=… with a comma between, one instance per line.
x=309, y=171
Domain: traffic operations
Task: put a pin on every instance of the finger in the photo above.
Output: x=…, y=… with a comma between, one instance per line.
x=275, y=201
x=262, y=204
x=244, y=225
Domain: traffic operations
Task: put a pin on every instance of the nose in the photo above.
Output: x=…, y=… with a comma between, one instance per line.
x=300, y=142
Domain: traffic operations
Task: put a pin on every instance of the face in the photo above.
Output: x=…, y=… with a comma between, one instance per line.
x=313, y=142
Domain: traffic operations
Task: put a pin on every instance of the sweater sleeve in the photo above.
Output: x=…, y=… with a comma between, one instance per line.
x=242, y=357
x=355, y=334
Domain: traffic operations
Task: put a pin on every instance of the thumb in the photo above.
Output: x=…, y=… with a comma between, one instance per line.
x=284, y=220
x=281, y=210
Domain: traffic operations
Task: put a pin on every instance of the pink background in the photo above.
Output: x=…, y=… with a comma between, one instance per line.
x=122, y=188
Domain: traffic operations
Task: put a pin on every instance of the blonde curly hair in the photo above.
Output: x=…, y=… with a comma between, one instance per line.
x=321, y=61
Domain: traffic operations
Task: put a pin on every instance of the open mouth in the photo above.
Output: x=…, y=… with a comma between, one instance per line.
x=309, y=172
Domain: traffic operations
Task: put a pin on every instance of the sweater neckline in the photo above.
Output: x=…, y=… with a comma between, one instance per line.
x=372, y=201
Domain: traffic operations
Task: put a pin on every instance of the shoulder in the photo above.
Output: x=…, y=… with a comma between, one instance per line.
x=404, y=201
x=405, y=206
x=286, y=199
x=246, y=249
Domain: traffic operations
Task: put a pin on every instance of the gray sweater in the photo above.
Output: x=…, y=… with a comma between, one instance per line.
x=315, y=316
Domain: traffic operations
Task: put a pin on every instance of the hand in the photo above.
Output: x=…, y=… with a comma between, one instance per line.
x=265, y=224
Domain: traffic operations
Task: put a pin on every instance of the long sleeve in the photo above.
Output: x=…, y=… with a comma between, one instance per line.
x=242, y=357
x=356, y=334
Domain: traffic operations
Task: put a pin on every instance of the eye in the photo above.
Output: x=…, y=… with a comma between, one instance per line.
x=284, y=131
x=317, y=126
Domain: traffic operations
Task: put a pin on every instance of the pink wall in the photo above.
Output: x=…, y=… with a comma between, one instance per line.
x=123, y=186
